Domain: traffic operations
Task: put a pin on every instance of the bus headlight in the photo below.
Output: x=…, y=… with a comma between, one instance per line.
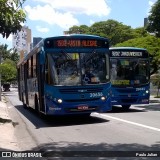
x=59, y=100
x=103, y=98
x=147, y=91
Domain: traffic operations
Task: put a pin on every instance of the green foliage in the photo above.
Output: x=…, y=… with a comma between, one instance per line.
x=8, y=54
x=140, y=32
x=155, y=79
x=153, y=25
x=151, y=43
x=9, y=59
x=14, y=56
x=11, y=17
x=114, y=30
x=83, y=29
x=8, y=71
x=5, y=53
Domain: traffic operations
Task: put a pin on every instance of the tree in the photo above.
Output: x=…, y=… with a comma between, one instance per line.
x=11, y=54
x=11, y=17
x=83, y=29
x=9, y=60
x=155, y=79
x=114, y=30
x=153, y=25
x=8, y=71
x=140, y=32
x=151, y=43
x=14, y=56
x=5, y=53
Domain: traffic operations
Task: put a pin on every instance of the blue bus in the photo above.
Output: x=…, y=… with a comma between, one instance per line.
x=66, y=75
x=130, y=76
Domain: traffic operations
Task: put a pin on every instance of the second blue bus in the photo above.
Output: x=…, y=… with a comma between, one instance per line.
x=130, y=76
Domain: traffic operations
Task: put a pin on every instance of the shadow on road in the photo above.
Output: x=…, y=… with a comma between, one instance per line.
x=100, y=151
x=65, y=150
x=119, y=109
x=57, y=121
x=136, y=108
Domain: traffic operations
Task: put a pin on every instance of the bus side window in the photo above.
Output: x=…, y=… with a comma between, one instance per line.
x=46, y=70
x=34, y=66
x=28, y=71
x=31, y=67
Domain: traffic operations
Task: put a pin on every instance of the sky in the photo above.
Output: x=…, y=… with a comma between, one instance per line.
x=47, y=18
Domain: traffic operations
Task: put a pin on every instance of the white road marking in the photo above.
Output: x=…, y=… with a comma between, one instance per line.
x=130, y=122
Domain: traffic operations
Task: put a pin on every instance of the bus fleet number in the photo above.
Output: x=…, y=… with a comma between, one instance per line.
x=98, y=94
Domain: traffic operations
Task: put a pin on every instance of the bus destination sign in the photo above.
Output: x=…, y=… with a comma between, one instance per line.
x=76, y=43
x=80, y=43
x=126, y=53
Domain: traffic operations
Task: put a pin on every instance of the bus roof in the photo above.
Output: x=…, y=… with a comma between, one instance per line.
x=128, y=52
x=126, y=48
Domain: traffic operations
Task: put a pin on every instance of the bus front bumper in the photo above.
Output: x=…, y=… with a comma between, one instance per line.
x=53, y=108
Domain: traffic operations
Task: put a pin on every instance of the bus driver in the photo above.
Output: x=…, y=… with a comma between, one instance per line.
x=88, y=77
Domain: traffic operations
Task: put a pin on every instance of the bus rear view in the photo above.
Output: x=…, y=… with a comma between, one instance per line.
x=130, y=76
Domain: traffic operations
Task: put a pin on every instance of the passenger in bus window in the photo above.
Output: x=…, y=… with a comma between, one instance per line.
x=113, y=72
x=88, y=77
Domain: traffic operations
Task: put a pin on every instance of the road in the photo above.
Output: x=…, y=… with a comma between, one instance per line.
x=135, y=130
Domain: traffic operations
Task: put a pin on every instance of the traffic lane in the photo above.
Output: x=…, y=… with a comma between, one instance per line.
x=143, y=114
x=150, y=113
x=47, y=142
x=103, y=134
x=109, y=136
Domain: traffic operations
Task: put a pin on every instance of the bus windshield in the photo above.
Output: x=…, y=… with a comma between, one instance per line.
x=77, y=68
x=129, y=72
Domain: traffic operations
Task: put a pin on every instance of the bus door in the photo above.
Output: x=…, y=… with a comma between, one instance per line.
x=40, y=76
x=25, y=84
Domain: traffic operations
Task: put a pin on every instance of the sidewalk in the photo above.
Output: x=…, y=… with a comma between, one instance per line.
x=7, y=138
x=154, y=100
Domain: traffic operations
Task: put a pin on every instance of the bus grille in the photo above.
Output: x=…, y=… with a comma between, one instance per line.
x=127, y=95
x=80, y=100
x=129, y=100
x=80, y=90
x=126, y=90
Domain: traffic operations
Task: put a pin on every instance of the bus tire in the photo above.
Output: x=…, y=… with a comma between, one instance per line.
x=126, y=107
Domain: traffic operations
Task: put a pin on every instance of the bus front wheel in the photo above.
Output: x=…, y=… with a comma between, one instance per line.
x=126, y=107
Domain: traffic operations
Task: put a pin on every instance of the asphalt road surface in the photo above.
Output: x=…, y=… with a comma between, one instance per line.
x=136, y=131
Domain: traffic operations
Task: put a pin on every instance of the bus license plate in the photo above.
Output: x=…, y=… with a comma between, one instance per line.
x=82, y=107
